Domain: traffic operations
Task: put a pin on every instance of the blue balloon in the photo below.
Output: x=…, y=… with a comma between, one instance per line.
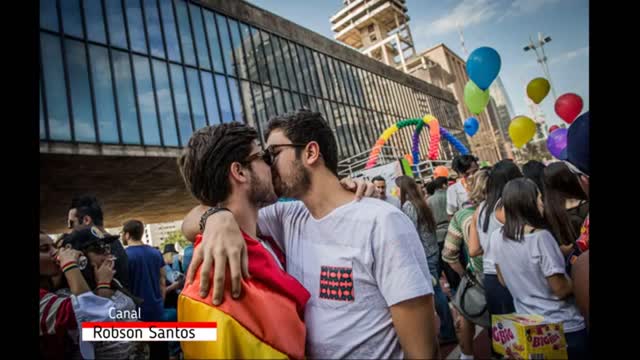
x=483, y=66
x=471, y=126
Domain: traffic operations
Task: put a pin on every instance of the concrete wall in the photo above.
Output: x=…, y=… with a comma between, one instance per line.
x=261, y=18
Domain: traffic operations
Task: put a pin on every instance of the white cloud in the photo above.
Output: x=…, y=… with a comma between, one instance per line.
x=524, y=7
x=569, y=55
x=468, y=13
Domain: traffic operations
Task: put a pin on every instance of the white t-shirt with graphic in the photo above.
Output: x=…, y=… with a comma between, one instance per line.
x=356, y=262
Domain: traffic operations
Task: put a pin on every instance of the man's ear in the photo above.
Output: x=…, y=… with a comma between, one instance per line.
x=312, y=152
x=238, y=173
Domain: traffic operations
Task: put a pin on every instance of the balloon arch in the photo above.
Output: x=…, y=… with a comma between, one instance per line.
x=435, y=132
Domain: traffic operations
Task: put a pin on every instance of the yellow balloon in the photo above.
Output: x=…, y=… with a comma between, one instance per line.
x=521, y=130
x=537, y=89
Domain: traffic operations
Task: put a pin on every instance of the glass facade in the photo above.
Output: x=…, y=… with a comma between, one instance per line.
x=151, y=72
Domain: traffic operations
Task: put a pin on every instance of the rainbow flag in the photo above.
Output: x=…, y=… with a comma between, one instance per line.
x=265, y=322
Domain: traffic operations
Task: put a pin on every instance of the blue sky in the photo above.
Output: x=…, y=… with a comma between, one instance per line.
x=504, y=25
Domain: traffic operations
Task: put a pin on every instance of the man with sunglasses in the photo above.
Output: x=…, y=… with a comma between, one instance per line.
x=224, y=167
x=362, y=261
x=577, y=157
x=85, y=211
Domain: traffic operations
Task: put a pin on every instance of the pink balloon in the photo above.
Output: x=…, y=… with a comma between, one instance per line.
x=554, y=127
x=568, y=107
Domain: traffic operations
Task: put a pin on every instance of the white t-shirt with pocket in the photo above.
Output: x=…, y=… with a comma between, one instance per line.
x=356, y=262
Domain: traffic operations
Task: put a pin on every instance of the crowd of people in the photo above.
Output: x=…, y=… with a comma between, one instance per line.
x=345, y=270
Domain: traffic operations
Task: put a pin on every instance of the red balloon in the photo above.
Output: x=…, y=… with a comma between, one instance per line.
x=554, y=127
x=568, y=107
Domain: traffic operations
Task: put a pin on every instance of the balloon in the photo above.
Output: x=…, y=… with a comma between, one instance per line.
x=557, y=141
x=553, y=128
x=434, y=138
x=475, y=98
x=483, y=66
x=537, y=89
x=471, y=126
x=521, y=130
x=568, y=107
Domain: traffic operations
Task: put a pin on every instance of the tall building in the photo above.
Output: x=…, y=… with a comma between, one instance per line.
x=376, y=28
x=124, y=87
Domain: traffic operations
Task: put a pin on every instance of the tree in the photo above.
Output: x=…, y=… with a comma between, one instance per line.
x=173, y=238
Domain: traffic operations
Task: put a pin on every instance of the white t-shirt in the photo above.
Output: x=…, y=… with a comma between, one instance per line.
x=356, y=262
x=456, y=196
x=487, y=257
x=525, y=266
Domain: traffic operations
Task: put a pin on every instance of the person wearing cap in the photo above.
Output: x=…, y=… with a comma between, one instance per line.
x=61, y=315
x=577, y=158
x=99, y=271
x=148, y=280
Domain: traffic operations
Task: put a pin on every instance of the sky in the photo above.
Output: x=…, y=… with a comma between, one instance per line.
x=504, y=25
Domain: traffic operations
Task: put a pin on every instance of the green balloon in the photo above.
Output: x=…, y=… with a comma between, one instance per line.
x=475, y=98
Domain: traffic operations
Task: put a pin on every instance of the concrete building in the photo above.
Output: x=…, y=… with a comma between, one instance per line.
x=124, y=87
x=155, y=234
x=376, y=28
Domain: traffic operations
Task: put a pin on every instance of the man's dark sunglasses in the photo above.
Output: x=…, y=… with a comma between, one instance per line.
x=267, y=155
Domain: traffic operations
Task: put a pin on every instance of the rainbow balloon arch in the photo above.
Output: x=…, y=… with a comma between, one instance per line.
x=435, y=132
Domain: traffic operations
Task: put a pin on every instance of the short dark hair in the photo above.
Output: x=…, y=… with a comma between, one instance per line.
x=462, y=163
x=430, y=187
x=439, y=182
x=88, y=205
x=304, y=126
x=378, y=178
x=135, y=228
x=205, y=162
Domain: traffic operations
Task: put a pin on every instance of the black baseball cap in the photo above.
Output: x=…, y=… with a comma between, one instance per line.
x=86, y=237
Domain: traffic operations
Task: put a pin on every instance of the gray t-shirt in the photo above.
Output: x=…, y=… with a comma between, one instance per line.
x=356, y=262
x=525, y=266
x=428, y=238
x=438, y=205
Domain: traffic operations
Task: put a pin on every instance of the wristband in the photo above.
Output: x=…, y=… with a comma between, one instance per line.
x=209, y=212
x=68, y=266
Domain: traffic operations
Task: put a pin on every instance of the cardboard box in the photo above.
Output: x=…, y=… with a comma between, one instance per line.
x=527, y=337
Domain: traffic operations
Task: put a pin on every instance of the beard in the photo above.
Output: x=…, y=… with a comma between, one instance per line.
x=296, y=185
x=261, y=193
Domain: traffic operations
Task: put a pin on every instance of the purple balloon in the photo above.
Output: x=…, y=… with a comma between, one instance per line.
x=557, y=141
